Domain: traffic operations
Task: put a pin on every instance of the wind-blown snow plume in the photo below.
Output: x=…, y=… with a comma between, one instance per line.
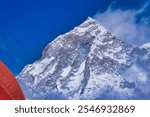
x=124, y=24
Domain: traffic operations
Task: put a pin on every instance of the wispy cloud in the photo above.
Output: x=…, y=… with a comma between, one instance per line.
x=123, y=23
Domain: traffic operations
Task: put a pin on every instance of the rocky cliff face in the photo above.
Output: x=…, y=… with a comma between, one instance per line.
x=89, y=63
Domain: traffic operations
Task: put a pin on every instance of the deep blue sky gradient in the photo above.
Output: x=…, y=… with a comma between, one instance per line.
x=27, y=26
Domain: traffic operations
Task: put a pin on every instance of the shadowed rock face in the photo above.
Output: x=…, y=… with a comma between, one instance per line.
x=89, y=63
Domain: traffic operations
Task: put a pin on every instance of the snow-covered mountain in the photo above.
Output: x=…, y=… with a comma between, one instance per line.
x=89, y=62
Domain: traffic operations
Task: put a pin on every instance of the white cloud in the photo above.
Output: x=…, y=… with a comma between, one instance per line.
x=124, y=25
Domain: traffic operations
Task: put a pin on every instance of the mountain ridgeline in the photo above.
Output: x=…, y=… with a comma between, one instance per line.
x=89, y=62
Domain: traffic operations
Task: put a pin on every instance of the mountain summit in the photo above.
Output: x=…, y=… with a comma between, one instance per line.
x=89, y=62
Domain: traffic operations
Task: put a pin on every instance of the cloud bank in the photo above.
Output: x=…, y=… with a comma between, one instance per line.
x=126, y=24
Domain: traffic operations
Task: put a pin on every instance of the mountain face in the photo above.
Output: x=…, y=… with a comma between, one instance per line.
x=89, y=62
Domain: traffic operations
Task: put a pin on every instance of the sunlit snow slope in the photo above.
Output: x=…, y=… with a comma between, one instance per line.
x=89, y=63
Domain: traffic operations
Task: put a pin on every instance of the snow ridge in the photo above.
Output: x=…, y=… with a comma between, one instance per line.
x=89, y=62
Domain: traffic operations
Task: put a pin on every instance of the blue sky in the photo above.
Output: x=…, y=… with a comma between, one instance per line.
x=27, y=26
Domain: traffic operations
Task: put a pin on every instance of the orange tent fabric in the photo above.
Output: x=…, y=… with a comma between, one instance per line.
x=9, y=87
